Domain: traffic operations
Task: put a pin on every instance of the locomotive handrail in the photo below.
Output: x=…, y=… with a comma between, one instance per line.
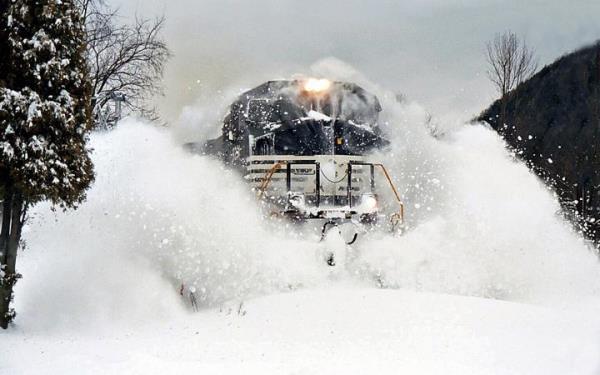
x=267, y=180
x=389, y=179
x=398, y=217
x=387, y=176
x=395, y=219
x=269, y=175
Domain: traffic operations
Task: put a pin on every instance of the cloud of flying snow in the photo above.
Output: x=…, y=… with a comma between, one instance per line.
x=478, y=224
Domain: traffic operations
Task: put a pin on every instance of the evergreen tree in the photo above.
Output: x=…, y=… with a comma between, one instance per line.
x=44, y=120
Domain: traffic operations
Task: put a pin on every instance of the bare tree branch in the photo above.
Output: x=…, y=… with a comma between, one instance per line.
x=126, y=59
x=511, y=61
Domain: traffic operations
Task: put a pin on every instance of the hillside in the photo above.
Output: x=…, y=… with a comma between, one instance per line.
x=553, y=122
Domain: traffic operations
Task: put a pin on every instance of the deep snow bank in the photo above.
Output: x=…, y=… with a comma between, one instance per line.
x=334, y=330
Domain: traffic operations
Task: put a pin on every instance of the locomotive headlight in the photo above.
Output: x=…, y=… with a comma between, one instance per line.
x=368, y=203
x=314, y=85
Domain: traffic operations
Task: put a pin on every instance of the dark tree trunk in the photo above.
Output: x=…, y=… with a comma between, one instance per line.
x=12, y=222
x=501, y=127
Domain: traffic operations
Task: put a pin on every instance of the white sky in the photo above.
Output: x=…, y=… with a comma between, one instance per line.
x=430, y=50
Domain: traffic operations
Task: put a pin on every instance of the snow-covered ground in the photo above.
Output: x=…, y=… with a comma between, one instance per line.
x=341, y=329
x=487, y=279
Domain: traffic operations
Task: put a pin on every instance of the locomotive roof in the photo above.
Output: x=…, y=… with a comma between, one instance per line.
x=291, y=88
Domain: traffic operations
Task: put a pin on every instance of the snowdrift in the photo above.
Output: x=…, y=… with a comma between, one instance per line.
x=158, y=216
x=341, y=329
x=481, y=225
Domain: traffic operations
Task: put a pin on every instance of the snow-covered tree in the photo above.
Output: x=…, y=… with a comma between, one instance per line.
x=44, y=119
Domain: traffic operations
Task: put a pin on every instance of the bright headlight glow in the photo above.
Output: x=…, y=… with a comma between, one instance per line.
x=315, y=85
x=368, y=202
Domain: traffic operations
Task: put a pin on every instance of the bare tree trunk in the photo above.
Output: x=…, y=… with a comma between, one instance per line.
x=5, y=229
x=10, y=235
x=502, y=128
x=510, y=60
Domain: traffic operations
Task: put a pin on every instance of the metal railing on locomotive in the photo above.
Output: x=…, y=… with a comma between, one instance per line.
x=396, y=219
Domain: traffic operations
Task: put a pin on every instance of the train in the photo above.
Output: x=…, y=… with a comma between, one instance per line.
x=305, y=146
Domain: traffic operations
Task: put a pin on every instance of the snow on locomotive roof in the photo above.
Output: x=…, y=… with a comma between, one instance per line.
x=318, y=116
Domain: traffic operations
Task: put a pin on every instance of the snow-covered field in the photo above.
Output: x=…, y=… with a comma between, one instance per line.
x=487, y=279
x=338, y=329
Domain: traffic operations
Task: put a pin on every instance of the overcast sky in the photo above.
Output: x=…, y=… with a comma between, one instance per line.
x=430, y=50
